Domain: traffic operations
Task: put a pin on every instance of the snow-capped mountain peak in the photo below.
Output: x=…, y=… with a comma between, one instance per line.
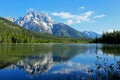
x=35, y=21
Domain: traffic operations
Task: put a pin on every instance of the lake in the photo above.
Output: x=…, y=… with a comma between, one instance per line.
x=59, y=62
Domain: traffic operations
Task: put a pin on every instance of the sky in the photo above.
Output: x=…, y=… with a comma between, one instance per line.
x=84, y=15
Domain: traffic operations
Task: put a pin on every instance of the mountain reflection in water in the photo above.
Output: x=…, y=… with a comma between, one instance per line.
x=60, y=62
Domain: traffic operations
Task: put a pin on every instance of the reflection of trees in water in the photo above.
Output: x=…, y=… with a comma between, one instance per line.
x=11, y=53
x=35, y=55
x=111, y=49
x=64, y=52
x=61, y=52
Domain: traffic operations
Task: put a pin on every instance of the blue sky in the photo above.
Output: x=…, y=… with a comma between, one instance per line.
x=90, y=15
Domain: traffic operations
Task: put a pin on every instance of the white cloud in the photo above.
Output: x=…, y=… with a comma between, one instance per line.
x=69, y=21
x=72, y=18
x=110, y=30
x=99, y=16
x=82, y=7
x=63, y=14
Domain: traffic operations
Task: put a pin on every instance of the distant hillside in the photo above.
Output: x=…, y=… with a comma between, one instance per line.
x=12, y=33
x=62, y=29
x=91, y=34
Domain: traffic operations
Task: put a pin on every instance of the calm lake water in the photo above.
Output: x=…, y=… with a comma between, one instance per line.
x=59, y=62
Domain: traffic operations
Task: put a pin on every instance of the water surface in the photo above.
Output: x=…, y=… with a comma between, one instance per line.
x=59, y=62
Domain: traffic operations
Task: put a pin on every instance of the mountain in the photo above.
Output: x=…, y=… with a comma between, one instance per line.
x=91, y=34
x=13, y=33
x=39, y=22
x=62, y=29
x=35, y=21
x=43, y=23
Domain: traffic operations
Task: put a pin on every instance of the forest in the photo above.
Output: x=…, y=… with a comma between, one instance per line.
x=109, y=38
x=12, y=33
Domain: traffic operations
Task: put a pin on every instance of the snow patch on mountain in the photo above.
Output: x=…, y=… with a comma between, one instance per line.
x=91, y=34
